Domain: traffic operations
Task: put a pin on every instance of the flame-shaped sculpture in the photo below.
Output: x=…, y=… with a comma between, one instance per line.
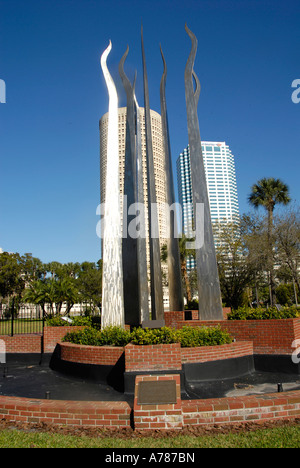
x=174, y=267
x=210, y=303
x=157, y=307
x=142, y=256
x=112, y=282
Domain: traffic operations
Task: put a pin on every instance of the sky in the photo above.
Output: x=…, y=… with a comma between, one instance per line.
x=247, y=59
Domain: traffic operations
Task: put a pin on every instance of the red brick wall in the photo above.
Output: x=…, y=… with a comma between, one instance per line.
x=22, y=343
x=214, y=353
x=257, y=408
x=268, y=336
x=163, y=416
x=110, y=414
x=172, y=318
x=152, y=357
x=53, y=335
x=98, y=355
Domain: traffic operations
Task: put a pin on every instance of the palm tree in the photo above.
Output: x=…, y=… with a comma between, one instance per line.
x=269, y=192
x=39, y=293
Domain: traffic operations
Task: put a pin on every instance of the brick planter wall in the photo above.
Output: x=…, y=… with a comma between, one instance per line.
x=215, y=353
x=97, y=355
x=257, y=408
x=268, y=336
x=22, y=343
x=110, y=414
x=160, y=416
x=53, y=335
x=171, y=318
x=152, y=357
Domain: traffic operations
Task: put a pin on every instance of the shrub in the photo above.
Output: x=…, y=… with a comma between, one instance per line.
x=76, y=321
x=190, y=337
x=147, y=336
x=115, y=336
x=261, y=313
x=88, y=336
x=110, y=336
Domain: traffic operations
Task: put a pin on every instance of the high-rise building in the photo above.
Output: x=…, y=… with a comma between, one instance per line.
x=158, y=156
x=221, y=184
x=159, y=166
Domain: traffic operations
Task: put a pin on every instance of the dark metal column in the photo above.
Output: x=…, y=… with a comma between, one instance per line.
x=155, y=263
x=141, y=240
x=129, y=243
x=174, y=269
x=210, y=303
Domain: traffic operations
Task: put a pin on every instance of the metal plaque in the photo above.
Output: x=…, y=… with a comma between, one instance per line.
x=157, y=392
x=153, y=324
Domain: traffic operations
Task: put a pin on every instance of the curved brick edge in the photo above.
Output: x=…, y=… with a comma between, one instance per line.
x=153, y=357
x=112, y=415
x=259, y=408
x=84, y=354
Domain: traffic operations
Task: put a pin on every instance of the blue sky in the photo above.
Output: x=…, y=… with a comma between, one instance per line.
x=248, y=56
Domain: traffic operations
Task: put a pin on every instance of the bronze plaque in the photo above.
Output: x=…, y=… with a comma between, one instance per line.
x=157, y=392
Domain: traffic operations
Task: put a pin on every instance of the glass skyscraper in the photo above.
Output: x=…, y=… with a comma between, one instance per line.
x=221, y=184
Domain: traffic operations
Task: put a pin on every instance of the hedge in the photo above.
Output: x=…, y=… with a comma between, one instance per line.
x=115, y=336
x=75, y=322
x=260, y=313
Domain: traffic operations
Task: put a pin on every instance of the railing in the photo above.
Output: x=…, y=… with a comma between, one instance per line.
x=28, y=319
x=15, y=326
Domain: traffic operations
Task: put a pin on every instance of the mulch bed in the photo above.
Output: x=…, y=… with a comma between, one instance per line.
x=128, y=433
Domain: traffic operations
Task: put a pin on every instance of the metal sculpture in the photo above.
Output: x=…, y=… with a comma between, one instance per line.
x=141, y=240
x=125, y=281
x=174, y=268
x=112, y=287
x=157, y=310
x=210, y=303
x=129, y=242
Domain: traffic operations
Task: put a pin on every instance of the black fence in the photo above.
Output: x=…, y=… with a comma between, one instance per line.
x=15, y=326
x=29, y=319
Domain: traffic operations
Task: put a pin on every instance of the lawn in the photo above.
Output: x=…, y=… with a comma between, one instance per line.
x=21, y=326
x=274, y=437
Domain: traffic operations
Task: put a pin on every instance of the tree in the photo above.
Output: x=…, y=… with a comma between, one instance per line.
x=287, y=239
x=236, y=272
x=89, y=283
x=255, y=240
x=11, y=281
x=184, y=254
x=39, y=293
x=268, y=192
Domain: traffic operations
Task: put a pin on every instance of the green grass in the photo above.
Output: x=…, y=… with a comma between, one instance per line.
x=277, y=437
